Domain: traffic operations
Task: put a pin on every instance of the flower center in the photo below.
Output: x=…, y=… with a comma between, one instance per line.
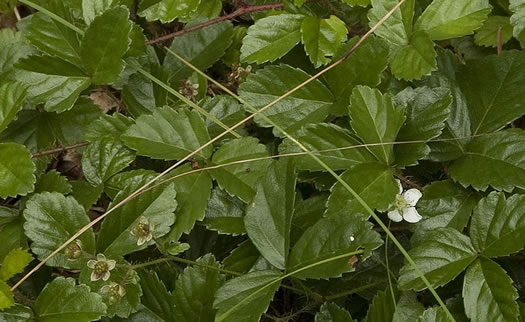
x=101, y=268
x=143, y=230
x=73, y=251
x=401, y=203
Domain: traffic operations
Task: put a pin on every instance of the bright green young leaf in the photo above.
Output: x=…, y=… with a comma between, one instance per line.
x=488, y=36
x=107, y=126
x=246, y=297
x=240, y=179
x=309, y=104
x=6, y=296
x=396, y=29
x=16, y=170
x=271, y=38
x=373, y=182
x=345, y=153
x=62, y=300
x=331, y=312
x=93, y=8
x=441, y=256
x=53, y=181
x=195, y=289
x=426, y=111
x=496, y=160
x=332, y=236
x=103, y=158
x=13, y=46
x=14, y=263
x=12, y=96
x=268, y=217
x=224, y=108
x=415, y=59
x=488, y=293
x=51, y=219
x=155, y=295
x=102, y=56
x=168, y=134
x=167, y=10
x=16, y=313
x=497, y=228
x=322, y=38
x=444, y=19
x=517, y=7
x=225, y=213
x=376, y=121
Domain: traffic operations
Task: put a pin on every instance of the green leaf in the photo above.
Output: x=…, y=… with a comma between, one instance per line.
x=376, y=121
x=309, y=104
x=415, y=59
x=103, y=158
x=52, y=82
x=225, y=213
x=517, y=7
x=195, y=289
x=93, y=8
x=16, y=170
x=268, y=217
x=14, y=263
x=13, y=46
x=62, y=300
x=307, y=212
x=167, y=10
x=434, y=314
x=441, y=256
x=246, y=297
x=331, y=312
x=408, y=307
x=487, y=35
x=497, y=227
x=102, y=56
x=107, y=126
x=16, y=313
x=497, y=160
x=155, y=295
x=85, y=193
x=51, y=219
x=157, y=206
x=6, y=296
x=332, y=236
x=226, y=109
x=382, y=307
x=398, y=27
x=240, y=179
x=168, y=134
x=426, y=110
x=261, y=46
x=53, y=181
x=373, y=182
x=134, y=178
x=12, y=96
x=488, y=293
x=444, y=19
x=322, y=38
x=243, y=258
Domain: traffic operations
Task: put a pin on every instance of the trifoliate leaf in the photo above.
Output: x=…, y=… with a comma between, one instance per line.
x=246, y=297
x=398, y=27
x=14, y=263
x=155, y=295
x=376, y=121
x=496, y=160
x=271, y=38
x=225, y=213
x=16, y=313
x=224, y=108
x=331, y=312
x=168, y=134
x=382, y=307
x=167, y=10
x=517, y=7
x=6, y=296
x=309, y=104
x=330, y=237
x=93, y=8
x=415, y=59
x=107, y=125
x=322, y=38
x=16, y=170
x=441, y=256
x=240, y=179
x=51, y=219
x=53, y=181
x=102, y=56
x=12, y=97
x=62, y=300
x=488, y=34
x=12, y=47
x=488, y=293
x=268, y=217
x=444, y=19
x=195, y=289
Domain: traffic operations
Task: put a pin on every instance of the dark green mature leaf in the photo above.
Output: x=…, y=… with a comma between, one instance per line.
x=134, y=178
x=434, y=314
x=240, y=179
x=62, y=300
x=426, y=110
x=268, y=217
x=155, y=296
x=271, y=38
x=103, y=158
x=322, y=38
x=444, y=19
x=102, y=56
x=373, y=182
x=94, y=8
x=382, y=307
x=16, y=170
x=225, y=213
x=408, y=307
x=12, y=231
x=243, y=258
x=51, y=219
x=331, y=312
x=226, y=109
x=12, y=96
x=345, y=153
x=488, y=293
x=14, y=263
x=396, y=29
x=12, y=47
x=376, y=121
x=415, y=59
x=498, y=225
x=195, y=290
x=496, y=159
x=309, y=104
x=246, y=297
x=487, y=35
x=6, y=296
x=168, y=134
x=307, y=212
x=85, y=193
x=167, y=10
x=53, y=181
x=441, y=256
x=517, y=7
x=16, y=313
x=332, y=236
x=107, y=126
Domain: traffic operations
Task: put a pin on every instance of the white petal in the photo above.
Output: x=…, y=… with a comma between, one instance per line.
x=94, y=276
x=101, y=257
x=394, y=215
x=411, y=215
x=399, y=186
x=111, y=264
x=91, y=263
x=412, y=196
x=106, y=276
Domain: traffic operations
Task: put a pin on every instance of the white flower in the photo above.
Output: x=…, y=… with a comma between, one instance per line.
x=101, y=267
x=405, y=206
x=113, y=292
x=143, y=231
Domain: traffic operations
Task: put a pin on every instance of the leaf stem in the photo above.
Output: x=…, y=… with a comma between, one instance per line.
x=59, y=149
